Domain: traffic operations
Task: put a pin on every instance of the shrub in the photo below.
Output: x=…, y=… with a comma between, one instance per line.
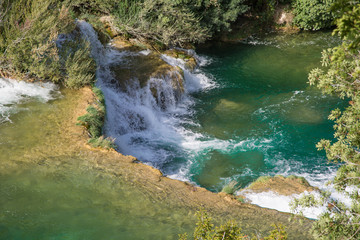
x=230, y=188
x=313, y=14
x=176, y=22
x=29, y=31
x=78, y=64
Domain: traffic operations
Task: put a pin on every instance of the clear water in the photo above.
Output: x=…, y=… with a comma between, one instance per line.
x=262, y=118
x=50, y=189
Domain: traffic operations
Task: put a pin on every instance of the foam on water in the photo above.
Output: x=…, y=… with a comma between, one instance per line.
x=281, y=203
x=13, y=92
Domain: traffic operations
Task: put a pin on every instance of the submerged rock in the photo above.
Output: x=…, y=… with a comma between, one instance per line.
x=304, y=115
x=221, y=166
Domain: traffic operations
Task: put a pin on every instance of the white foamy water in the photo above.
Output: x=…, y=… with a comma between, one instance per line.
x=145, y=124
x=13, y=92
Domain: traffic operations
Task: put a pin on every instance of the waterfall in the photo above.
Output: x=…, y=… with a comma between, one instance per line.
x=145, y=119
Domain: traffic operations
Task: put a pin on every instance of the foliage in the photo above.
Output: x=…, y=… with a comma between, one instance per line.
x=264, y=9
x=78, y=64
x=230, y=188
x=341, y=77
x=278, y=233
x=93, y=121
x=27, y=38
x=205, y=230
x=29, y=34
x=97, y=7
x=313, y=14
x=176, y=22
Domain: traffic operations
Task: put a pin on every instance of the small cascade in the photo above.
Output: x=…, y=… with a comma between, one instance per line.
x=145, y=114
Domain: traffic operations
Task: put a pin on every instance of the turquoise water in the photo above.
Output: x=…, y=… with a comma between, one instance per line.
x=262, y=118
x=247, y=111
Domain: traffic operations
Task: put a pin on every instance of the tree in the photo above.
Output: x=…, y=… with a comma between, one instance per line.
x=205, y=230
x=341, y=77
x=313, y=14
x=176, y=22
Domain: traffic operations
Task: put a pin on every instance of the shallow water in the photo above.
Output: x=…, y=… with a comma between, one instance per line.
x=50, y=191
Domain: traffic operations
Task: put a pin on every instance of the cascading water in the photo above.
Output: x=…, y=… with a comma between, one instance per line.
x=13, y=92
x=241, y=127
x=145, y=124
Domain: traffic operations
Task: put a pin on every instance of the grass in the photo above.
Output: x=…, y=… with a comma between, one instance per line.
x=93, y=122
x=230, y=188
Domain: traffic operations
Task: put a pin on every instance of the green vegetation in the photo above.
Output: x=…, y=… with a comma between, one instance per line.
x=265, y=9
x=205, y=230
x=313, y=14
x=230, y=188
x=80, y=66
x=341, y=77
x=29, y=30
x=93, y=121
x=176, y=22
x=261, y=179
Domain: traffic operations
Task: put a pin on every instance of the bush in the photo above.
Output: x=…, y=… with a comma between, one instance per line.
x=313, y=14
x=230, y=188
x=29, y=31
x=79, y=66
x=176, y=22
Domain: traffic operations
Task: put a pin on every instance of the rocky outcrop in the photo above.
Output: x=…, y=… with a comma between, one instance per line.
x=281, y=185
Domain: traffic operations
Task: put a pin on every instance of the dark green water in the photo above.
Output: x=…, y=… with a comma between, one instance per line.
x=263, y=118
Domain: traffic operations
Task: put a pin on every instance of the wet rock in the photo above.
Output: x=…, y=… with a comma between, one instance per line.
x=221, y=166
x=190, y=61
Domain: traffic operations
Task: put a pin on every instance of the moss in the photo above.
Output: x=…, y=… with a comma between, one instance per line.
x=281, y=185
x=261, y=179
